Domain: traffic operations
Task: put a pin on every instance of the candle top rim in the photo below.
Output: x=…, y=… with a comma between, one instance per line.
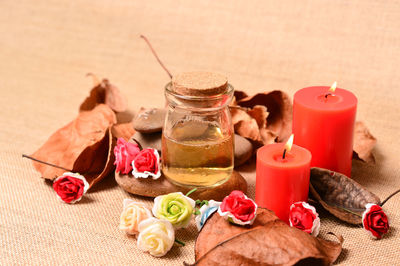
x=267, y=153
x=308, y=97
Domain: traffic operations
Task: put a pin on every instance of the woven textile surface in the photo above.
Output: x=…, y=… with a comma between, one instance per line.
x=47, y=47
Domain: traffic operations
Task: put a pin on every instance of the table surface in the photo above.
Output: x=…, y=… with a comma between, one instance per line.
x=47, y=47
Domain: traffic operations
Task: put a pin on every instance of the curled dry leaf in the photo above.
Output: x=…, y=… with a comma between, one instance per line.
x=124, y=130
x=364, y=142
x=269, y=241
x=341, y=196
x=244, y=124
x=279, y=107
x=264, y=117
x=83, y=146
x=104, y=92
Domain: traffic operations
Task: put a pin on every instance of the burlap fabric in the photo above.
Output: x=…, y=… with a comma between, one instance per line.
x=47, y=47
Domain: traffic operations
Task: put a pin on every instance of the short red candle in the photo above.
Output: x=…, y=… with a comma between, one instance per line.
x=323, y=123
x=281, y=182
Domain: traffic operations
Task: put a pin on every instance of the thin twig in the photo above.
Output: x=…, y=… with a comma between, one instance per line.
x=155, y=55
x=391, y=195
x=43, y=162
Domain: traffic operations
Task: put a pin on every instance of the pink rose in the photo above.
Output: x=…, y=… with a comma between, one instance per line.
x=304, y=217
x=70, y=187
x=146, y=163
x=125, y=152
x=238, y=208
x=375, y=220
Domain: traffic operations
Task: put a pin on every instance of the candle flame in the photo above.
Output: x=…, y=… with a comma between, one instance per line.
x=289, y=143
x=333, y=87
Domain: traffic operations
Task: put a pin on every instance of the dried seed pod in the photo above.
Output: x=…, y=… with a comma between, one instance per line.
x=341, y=196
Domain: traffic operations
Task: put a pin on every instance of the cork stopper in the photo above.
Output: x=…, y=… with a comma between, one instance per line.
x=199, y=83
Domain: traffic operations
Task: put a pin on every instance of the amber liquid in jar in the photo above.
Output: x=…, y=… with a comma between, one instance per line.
x=197, y=154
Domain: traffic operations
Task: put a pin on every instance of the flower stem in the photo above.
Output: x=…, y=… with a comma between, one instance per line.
x=43, y=162
x=180, y=242
x=391, y=195
x=155, y=55
x=190, y=192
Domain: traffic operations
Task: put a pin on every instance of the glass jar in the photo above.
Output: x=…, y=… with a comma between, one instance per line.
x=198, y=139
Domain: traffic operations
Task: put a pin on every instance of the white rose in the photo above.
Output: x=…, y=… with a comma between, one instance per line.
x=133, y=213
x=156, y=236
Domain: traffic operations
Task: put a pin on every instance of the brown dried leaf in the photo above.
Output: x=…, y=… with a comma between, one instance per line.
x=364, y=142
x=124, y=130
x=88, y=134
x=104, y=92
x=341, y=196
x=260, y=114
x=244, y=124
x=279, y=107
x=96, y=161
x=269, y=241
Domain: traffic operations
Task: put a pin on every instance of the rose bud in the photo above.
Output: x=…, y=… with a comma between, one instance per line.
x=70, y=187
x=146, y=163
x=132, y=214
x=375, y=220
x=125, y=152
x=304, y=217
x=205, y=212
x=155, y=236
x=237, y=208
x=175, y=208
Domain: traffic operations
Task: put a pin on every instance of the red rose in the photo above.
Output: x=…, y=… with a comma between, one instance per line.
x=125, y=152
x=70, y=187
x=238, y=208
x=375, y=220
x=304, y=217
x=147, y=163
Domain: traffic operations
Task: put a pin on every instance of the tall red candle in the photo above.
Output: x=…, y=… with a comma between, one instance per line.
x=323, y=123
x=281, y=182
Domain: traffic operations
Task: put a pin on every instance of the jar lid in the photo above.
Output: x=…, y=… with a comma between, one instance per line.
x=199, y=83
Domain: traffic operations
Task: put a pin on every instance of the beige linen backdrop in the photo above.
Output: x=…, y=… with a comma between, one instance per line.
x=47, y=47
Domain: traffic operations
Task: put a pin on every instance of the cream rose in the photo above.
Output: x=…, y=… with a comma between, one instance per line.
x=132, y=214
x=156, y=236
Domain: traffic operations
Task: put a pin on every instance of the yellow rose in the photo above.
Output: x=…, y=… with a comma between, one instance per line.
x=156, y=236
x=133, y=213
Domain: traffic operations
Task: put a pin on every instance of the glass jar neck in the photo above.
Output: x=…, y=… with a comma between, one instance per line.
x=198, y=103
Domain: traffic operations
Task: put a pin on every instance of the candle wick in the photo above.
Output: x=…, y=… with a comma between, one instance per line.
x=326, y=95
x=284, y=154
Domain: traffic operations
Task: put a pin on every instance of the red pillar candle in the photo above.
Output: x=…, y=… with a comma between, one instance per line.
x=282, y=181
x=323, y=123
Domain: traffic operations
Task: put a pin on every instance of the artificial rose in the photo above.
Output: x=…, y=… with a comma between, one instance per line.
x=205, y=211
x=238, y=208
x=155, y=236
x=375, y=220
x=146, y=163
x=304, y=217
x=175, y=208
x=132, y=214
x=125, y=152
x=70, y=187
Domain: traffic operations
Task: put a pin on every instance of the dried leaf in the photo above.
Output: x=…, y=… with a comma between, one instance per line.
x=244, y=124
x=96, y=161
x=364, y=142
x=88, y=134
x=268, y=241
x=279, y=107
x=341, y=196
x=104, y=92
x=124, y=130
x=260, y=114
